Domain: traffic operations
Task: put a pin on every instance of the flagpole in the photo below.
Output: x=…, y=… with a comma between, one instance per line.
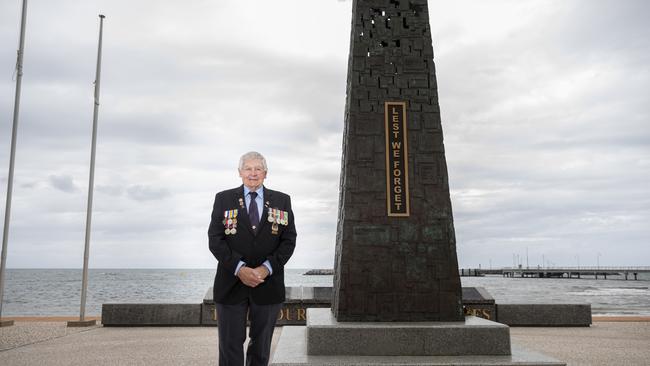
x=12, y=158
x=91, y=182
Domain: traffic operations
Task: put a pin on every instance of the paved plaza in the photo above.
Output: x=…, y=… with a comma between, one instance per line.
x=52, y=343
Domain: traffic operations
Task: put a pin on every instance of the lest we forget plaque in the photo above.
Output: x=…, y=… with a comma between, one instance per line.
x=397, y=182
x=395, y=245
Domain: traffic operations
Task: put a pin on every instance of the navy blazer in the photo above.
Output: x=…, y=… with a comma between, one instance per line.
x=251, y=247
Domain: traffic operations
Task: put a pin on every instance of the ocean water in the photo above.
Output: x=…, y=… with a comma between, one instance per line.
x=57, y=292
x=614, y=296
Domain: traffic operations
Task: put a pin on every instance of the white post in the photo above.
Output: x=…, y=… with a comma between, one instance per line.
x=12, y=158
x=91, y=183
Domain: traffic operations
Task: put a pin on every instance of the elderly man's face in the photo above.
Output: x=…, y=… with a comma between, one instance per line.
x=252, y=174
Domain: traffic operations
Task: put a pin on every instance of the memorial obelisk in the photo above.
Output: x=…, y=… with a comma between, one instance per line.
x=397, y=293
x=395, y=244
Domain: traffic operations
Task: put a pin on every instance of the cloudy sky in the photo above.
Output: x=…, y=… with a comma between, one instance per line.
x=545, y=108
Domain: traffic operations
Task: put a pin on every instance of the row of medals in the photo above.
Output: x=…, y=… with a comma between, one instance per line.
x=230, y=221
x=275, y=217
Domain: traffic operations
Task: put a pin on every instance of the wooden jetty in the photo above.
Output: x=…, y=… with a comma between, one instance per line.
x=558, y=272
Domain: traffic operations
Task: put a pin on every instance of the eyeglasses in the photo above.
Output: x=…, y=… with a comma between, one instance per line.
x=250, y=169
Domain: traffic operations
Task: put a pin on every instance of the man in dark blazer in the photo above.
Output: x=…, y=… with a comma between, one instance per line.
x=252, y=234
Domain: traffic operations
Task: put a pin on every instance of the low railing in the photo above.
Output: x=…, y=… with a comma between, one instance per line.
x=579, y=268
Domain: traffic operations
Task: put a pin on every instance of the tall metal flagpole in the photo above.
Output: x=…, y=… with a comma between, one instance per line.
x=91, y=182
x=12, y=158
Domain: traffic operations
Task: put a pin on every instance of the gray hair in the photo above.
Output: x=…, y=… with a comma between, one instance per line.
x=252, y=155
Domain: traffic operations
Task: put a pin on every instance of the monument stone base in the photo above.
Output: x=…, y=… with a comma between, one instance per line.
x=474, y=336
x=476, y=341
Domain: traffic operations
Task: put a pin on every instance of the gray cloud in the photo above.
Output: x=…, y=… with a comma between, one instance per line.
x=63, y=183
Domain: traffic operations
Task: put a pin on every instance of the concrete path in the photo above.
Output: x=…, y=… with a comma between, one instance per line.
x=109, y=345
x=604, y=343
x=52, y=343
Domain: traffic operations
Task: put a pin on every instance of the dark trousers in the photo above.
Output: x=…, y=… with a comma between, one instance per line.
x=231, y=321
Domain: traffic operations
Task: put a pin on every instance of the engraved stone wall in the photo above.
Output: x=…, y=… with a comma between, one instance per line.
x=393, y=268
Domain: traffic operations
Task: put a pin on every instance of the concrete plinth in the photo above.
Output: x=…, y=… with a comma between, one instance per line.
x=82, y=323
x=474, y=336
x=549, y=315
x=292, y=351
x=6, y=323
x=151, y=314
